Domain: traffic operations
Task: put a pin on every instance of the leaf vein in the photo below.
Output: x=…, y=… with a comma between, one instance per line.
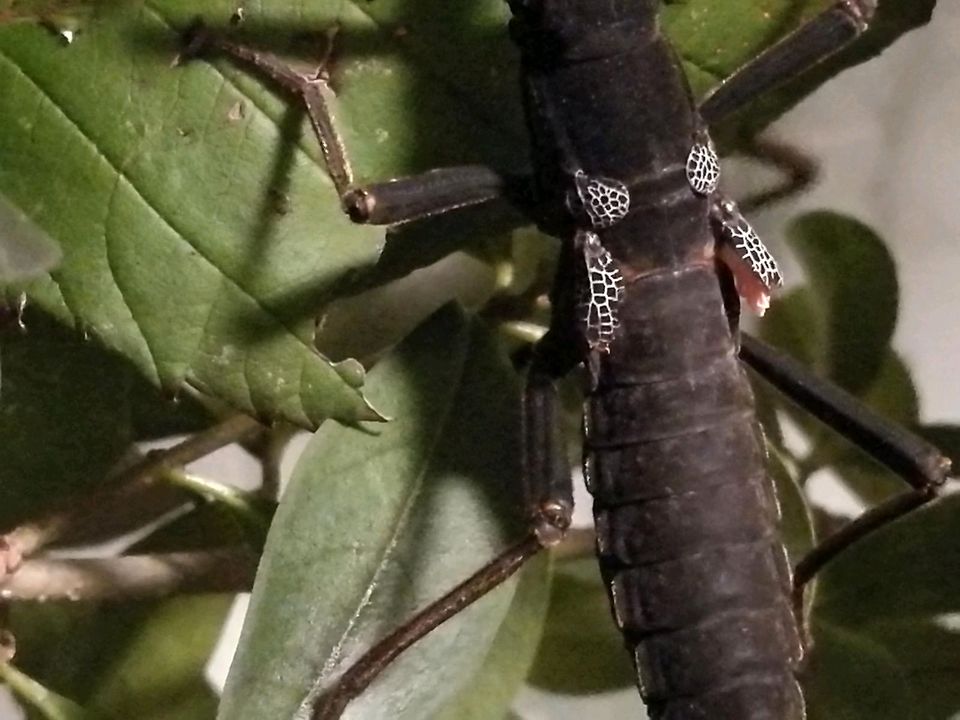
x=118, y=170
x=401, y=523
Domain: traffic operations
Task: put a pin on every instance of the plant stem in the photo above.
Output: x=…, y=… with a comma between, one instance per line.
x=237, y=500
x=131, y=577
x=122, y=490
x=50, y=705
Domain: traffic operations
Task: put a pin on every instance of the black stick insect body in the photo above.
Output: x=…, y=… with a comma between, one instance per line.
x=654, y=265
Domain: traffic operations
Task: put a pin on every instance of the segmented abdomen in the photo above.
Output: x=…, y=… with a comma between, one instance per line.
x=686, y=515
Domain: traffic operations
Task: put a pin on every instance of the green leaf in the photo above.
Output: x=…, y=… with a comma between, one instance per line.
x=143, y=660
x=578, y=626
x=905, y=570
x=893, y=598
x=853, y=285
x=840, y=324
x=174, y=253
x=852, y=677
x=374, y=527
x=926, y=652
x=64, y=417
x=159, y=673
x=893, y=395
x=68, y=411
x=714, y=39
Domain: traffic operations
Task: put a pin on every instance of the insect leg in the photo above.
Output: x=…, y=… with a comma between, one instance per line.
x=807, y=45
x=798, y=169
x=433, y=192
x=917, y=462
x=549, y=503
x=200, y=39
x=386, y=203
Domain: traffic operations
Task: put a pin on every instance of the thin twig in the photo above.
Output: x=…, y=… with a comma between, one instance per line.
x=48, y=703
x=239, y=501
x=131, y=577
x=271, y=457
x=119, y=491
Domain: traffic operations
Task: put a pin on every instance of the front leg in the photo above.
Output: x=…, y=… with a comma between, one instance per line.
x=385, y=203
x=827, y=33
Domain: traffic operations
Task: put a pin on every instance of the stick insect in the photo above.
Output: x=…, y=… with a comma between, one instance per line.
x=654, y=267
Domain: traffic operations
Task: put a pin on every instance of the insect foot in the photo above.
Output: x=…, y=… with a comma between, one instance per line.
x=551, y=521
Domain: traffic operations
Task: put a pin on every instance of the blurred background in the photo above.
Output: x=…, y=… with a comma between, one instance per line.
x=885, y=136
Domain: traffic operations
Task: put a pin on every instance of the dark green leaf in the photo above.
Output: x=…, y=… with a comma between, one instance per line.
x=908, y=569
x=852, y=677
x=840, y=325
x=579, y=626
x=174, y=253
x=893, y=395
x=159, y=674
x=64, y=417
x=852, y=282
x=927, y=652
x=373, y=527
x=892, y=600
x=68, y=410
x=140, y=660
x=714, y=39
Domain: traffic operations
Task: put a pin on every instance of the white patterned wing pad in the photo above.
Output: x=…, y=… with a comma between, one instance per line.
x=600, y=293
x=754, y=268
x=703, y=167
x=604, y=201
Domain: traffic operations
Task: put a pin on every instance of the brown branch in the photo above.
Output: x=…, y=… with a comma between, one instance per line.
x=271, y=457
x=131, y=577
x=119, y=494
